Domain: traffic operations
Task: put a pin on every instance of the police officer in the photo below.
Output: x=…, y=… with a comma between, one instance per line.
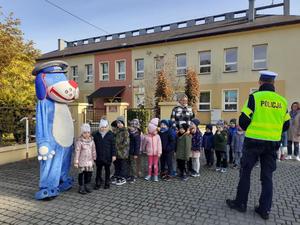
x=264, y=117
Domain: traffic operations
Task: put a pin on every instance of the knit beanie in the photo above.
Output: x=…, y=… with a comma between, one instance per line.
x=121, y=119
x=184, y=126
x=196, y=122
x=220, y=123
x=114, y=124
x=103, y=123
x=155, y=121
x=209, y=126
x=135, y=123
x=166, y=122
x=152, y=128
x=85, y=128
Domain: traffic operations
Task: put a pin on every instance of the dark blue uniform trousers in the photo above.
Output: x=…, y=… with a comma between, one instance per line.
x=265, y=151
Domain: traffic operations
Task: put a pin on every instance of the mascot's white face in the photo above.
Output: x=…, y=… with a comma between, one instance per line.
x=63, y=91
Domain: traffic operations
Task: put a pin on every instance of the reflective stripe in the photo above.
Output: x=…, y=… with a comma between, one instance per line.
x=263, y=135
x=247, y=111
x=265, y=125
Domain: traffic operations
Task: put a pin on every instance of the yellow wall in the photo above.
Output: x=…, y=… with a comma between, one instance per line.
x=80, y=61
x=283, y=57
x=16, y=153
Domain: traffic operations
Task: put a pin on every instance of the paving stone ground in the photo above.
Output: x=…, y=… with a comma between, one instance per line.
x=198, y=201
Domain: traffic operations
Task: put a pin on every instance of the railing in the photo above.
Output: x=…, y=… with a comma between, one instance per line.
x=236, y=15
x=94, y=114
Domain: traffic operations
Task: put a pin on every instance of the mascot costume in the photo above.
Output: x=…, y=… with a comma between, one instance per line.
x=54, y=127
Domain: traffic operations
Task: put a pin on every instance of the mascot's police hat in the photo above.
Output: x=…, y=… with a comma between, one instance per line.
x=56, y=66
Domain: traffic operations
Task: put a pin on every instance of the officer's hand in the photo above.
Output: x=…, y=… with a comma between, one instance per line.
x=114, y=158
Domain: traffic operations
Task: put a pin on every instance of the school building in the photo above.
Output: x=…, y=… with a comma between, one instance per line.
x=225, y=50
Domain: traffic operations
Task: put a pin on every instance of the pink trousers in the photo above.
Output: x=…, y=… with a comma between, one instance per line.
x=153, y=161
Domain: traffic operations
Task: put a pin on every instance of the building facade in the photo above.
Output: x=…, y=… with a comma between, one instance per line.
x=226, y=51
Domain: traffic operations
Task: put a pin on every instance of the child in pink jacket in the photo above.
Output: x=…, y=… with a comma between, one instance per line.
x=152, y=145
x=85, y=155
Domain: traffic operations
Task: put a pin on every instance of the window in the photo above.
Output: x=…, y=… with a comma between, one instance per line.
x=159, y=63
x=230, y=100
x=120, y=68
x=230, y=60
x=139, y=67
x=204, y=101
x=259, y=57
x=205, y=62
x=89, y=72
x=104, y=71
x=181, y=64
x=74, y=73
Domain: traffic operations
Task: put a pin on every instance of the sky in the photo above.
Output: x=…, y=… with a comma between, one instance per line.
x=44, y=23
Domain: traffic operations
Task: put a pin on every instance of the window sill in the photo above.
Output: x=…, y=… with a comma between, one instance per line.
x=229, y=110
x=138, y=78
x=103, y=80
x=259, y=69
x=203, y=110
x=232, y=71
x=86, y=81
x=207, y=73
x=180, y=75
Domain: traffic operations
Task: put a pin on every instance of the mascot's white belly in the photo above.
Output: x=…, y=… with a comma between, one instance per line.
x=63, y=128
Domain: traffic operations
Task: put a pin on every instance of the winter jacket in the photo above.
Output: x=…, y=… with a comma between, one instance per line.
x=208, y=141
x=85, y=152
x=167, y=141
x=294, y=129
x=183, y=148
x=220, y=141
x=122, y=143
x=105, y=147
x=196, y=140
x=238, y=142
x=135, y=143
x=152, y=144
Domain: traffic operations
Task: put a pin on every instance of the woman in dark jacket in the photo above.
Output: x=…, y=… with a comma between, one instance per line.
x=168, y=148
x=106, y=152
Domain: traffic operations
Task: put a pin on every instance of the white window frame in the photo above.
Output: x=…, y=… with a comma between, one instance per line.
x=205, y=103
x=89, y=77
x=76, y=76
x=231, y=63
x=181, y=68
x=101, y=71
x=156, y=63
x=206, y=65
x=117, y=72
x=259, y=60
x=237, y=100
x=139, y=71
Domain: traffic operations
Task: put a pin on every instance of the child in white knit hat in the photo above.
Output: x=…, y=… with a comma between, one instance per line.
x=85, y=155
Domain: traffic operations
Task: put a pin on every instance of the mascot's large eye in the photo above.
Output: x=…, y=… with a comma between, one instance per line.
x=70, y=89
x=66, y=91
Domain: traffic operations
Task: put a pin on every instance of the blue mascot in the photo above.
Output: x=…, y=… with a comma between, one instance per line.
x=54, y=127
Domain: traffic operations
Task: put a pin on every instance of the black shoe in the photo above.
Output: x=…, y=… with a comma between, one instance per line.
x=106, y=186
x=87, y=189
x=82, y=190
x=97, y=184
x=263, y=215
x=233, y=205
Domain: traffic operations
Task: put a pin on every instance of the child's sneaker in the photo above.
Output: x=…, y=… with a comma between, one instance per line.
x=131, y=180
x=223, y=170
x=282, y=157
x=155, y=178
x=288, y=157
x=148, y=177
x=184, y=178
x=167, y=178
x=218, y=169
x=113, y=180
x=120, y=181
x=298, y=158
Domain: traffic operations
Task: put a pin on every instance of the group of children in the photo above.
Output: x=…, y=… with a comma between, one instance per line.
x=164, y=142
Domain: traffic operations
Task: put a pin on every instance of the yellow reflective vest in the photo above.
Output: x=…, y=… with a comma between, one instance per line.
x=268, y=117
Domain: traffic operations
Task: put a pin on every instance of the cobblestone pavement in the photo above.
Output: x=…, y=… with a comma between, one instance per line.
x=198, y=201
